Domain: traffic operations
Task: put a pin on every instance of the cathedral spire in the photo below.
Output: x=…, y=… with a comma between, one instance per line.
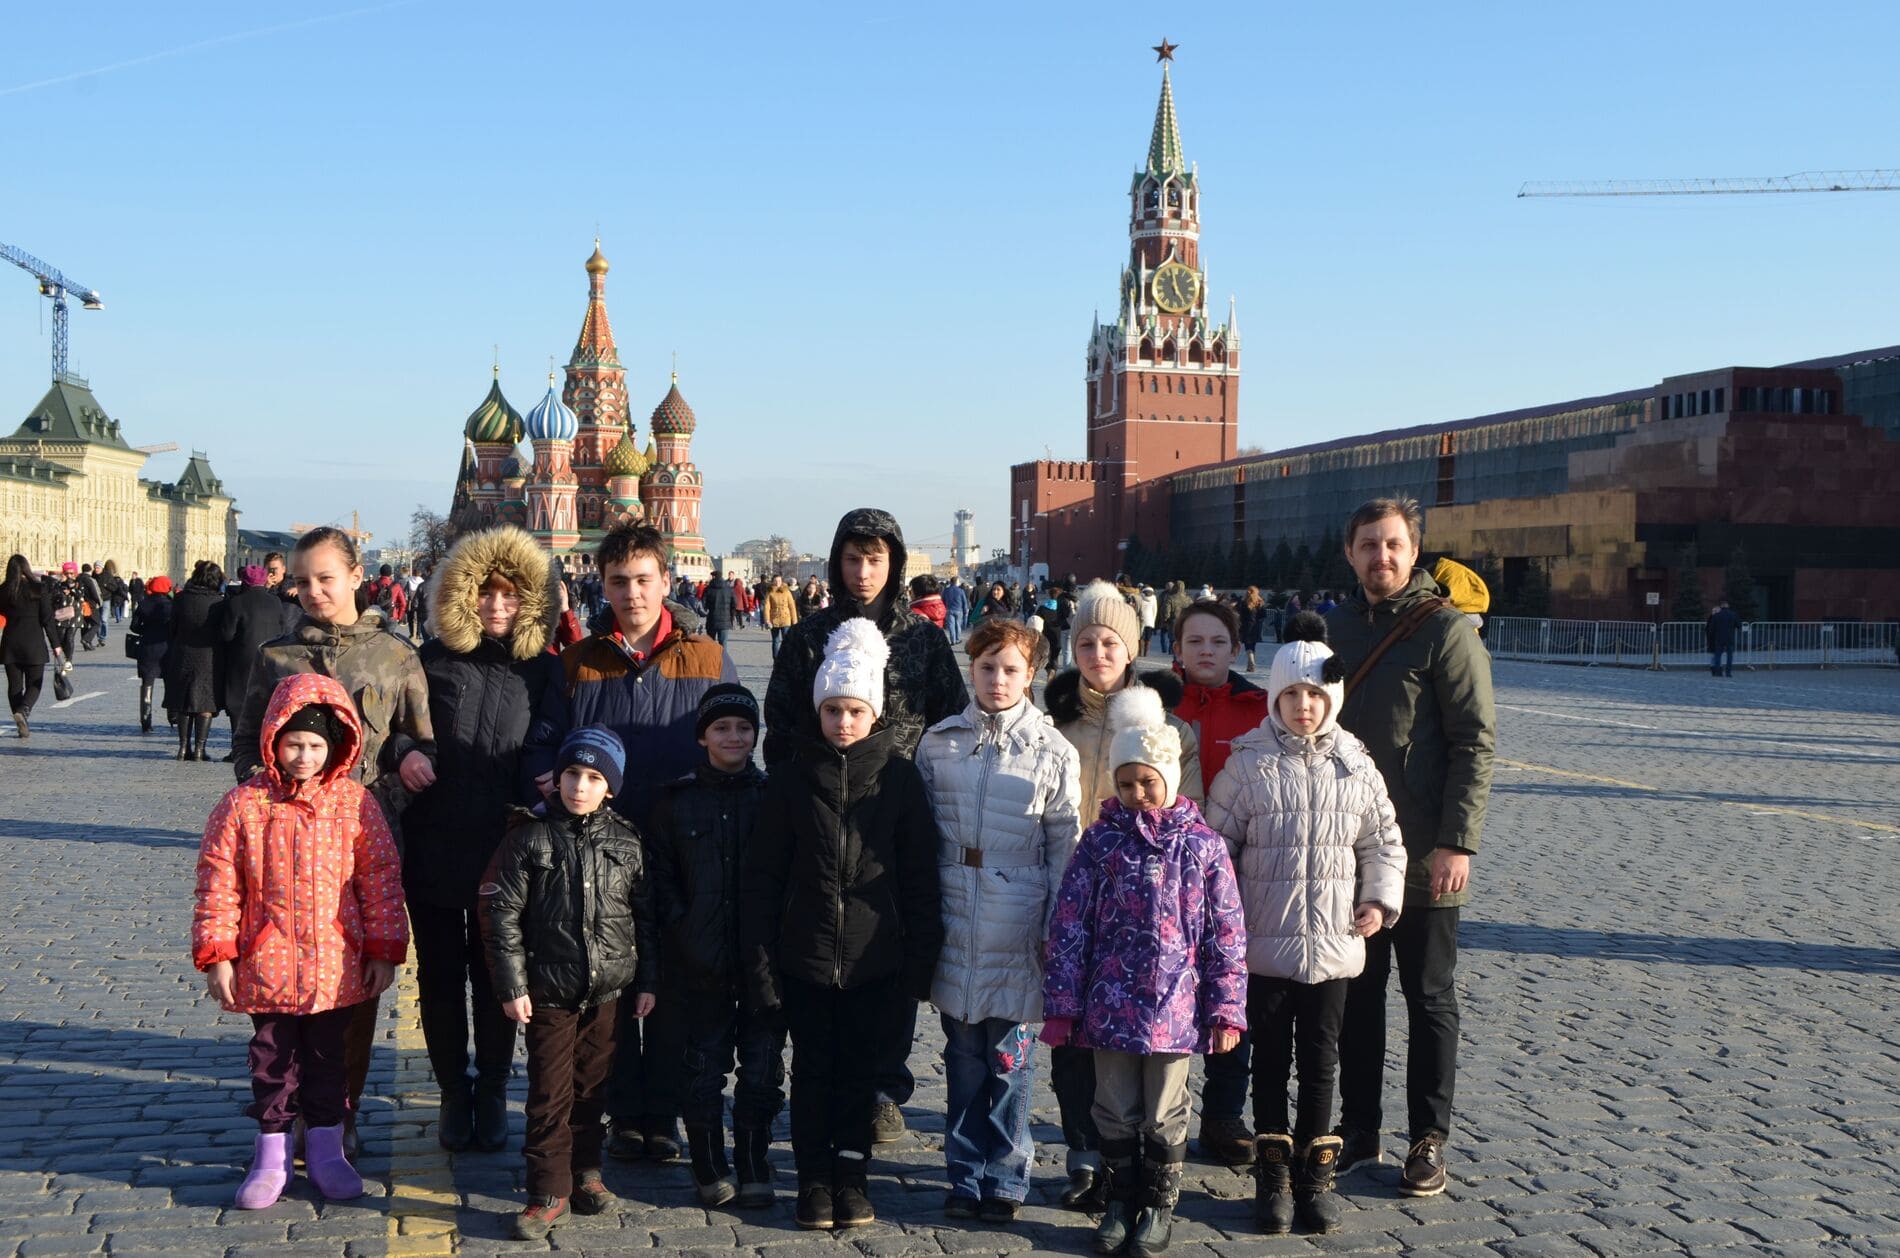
x=1164, y=147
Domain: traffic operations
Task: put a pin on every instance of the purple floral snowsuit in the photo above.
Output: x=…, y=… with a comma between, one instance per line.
x=1147, y=951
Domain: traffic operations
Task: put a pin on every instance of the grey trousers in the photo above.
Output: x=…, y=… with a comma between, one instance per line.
x=1142, y=1095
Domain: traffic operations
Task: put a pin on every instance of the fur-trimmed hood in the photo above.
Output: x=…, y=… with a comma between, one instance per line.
x=1062, y=698
x=455, y=587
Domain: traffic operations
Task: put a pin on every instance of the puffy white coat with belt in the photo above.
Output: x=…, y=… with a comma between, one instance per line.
x=1312, y=834
x=1006, y=792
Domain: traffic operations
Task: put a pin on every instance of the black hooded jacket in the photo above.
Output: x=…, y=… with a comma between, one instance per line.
x=922, y=684
x=567, y=909
x=839, y=885
x=696, y=842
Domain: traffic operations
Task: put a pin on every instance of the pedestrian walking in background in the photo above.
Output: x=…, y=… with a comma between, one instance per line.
x=1321, y=866
x=1146, y=966
x=298, y=921
x=29, y=640
x=194, y=662
x=1004, y=786
x=1424, y=709
x=1148, y=607
x=1722, y=628
x=381, y=673
x=567, y=925
x=492, y=616
x=926, y=599
x=1253, y=612
x=247, y=619
x=781, y=612
x=148, y=639
x=956, y=610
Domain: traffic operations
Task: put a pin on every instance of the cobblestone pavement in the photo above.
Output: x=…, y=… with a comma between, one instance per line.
x=1679, y=982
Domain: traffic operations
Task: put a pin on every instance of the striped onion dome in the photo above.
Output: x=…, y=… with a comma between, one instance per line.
x=551, y=420
x=672, y=415
x=494, y=422
x=516, y=465
x=625, y=458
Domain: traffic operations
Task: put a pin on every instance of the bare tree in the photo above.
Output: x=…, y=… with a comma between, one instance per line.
x=430, y=535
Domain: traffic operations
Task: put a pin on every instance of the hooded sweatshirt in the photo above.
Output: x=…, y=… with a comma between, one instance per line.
x=298, y=882
x=922, y=684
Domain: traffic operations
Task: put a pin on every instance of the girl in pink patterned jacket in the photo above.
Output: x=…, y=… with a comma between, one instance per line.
x=1146, y=965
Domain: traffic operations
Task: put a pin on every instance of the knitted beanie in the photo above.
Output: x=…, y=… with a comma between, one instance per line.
x=315, y=718
x=1100, y=603
x=595, y=747
x=1306, y=660
x=728, y=698
x=1143, y=736
x=853, y=667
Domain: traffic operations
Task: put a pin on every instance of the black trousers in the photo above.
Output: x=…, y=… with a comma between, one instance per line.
x=646, y=1082
x=835, y=1050
x=717, y=1028
x=570, y=1055
x=1224, y=1081
x=1425, y=944
x=895, y=1083
x=1072, y=1075
x=450, y=968
x=1290, y=1020
x=23, y=687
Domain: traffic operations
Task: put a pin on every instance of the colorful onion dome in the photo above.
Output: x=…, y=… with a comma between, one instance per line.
x=625, y=458
x=516, y=465
x=551, y=420
x=672, y=415
x=494, y=422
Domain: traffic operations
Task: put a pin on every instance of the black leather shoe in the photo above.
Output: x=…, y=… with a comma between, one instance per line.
x=997, y=1210
x=1084, y=1192
x=1361, y=1148
x=958, y=1206
x=663, y=1139
x=814, y=1208
x=1424, y=1174
x=626, y=1142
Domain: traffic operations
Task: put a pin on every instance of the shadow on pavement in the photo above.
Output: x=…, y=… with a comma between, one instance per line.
x=97, y=832
x=1616, y=945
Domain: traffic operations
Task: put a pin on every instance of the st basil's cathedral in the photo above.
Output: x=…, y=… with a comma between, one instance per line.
x=584, y=473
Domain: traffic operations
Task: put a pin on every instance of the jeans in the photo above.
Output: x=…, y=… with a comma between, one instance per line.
x=1425, y=942
x=570, y=1055
x=1288, y=1020
x=778, y=637
x=1142, y=1095
x=989, y=1068
x=716, y=1026
x=953, y=627
x=297, y=1068
x=720, y=634
x=1224, y=1086
x=645, y=1087
x=835, y=1043
x=450, y=968
x=1072, y=1075
x=1722, y=662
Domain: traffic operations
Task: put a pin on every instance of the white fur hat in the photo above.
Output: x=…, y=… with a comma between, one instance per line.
x=1306, y=660
x=1143, y=736
x=853, y=667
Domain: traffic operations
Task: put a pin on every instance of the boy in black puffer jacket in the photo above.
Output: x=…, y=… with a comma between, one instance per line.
x=567, y=925
x=700, y=828
x=840, y=920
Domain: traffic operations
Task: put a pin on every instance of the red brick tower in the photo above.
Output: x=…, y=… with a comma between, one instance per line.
x=596, y=391
x=671, y=487
x=551, y=485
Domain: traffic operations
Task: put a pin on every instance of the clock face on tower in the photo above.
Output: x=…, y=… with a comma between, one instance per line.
x=1176, y=287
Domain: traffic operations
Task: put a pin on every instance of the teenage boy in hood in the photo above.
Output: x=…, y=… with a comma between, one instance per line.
x=922, y=685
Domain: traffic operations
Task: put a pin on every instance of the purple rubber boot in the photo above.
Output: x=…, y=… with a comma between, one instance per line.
x=328, y=1169
x=270, y=1171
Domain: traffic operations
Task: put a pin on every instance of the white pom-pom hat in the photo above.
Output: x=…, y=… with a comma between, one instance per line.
x=853, y=667
x=1143, y=736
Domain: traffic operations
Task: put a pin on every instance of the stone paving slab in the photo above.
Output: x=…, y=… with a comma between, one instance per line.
x=1679, y=985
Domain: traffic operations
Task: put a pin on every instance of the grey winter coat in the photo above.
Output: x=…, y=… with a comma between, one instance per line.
x=1312, y=834
x=1006, y=791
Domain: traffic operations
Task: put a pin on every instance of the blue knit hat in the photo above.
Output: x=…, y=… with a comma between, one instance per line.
x=595, y=747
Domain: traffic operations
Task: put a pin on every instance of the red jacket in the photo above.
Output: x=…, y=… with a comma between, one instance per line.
x=931, y=608
x=298, y=882
x=1219, y=715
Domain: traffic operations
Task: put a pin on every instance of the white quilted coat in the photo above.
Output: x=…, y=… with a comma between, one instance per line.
x=1006, y=785
x=1311, y=831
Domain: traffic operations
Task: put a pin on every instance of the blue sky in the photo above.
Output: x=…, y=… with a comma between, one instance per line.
x=876, y=234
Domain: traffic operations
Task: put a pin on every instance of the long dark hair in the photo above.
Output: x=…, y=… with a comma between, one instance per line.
x=208, y=576
x=19, y=578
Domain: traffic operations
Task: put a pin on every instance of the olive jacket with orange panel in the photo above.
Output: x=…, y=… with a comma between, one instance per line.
x=651, y=703
x=299, y=882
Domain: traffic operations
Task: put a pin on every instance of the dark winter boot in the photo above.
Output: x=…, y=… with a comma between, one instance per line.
x=712, y=1177
x=1160, y=1189
x=494, y=1058
x=1273, y=1182
x=1313, y=1200
x=201, y=734
x=491, y=1114
x=1121, y=1169
x=751, y=1149
x=145, y=707
x=455, y=1117
x=184, y=736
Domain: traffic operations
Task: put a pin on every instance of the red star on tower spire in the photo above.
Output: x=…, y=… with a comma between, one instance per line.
x=1164, y=51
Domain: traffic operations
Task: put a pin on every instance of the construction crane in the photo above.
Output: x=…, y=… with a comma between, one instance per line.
x=355, y=530
x=163, y=447
x=56, y=286
x=1806, y=181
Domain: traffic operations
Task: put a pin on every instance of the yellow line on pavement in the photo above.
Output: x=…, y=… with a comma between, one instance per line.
x=422, y=1196
x=1752, y=806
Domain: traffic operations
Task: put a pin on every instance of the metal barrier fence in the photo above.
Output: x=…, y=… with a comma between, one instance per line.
x=1762, y=644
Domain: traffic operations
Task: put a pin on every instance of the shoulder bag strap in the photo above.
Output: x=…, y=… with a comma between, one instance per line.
x=1403, y=628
